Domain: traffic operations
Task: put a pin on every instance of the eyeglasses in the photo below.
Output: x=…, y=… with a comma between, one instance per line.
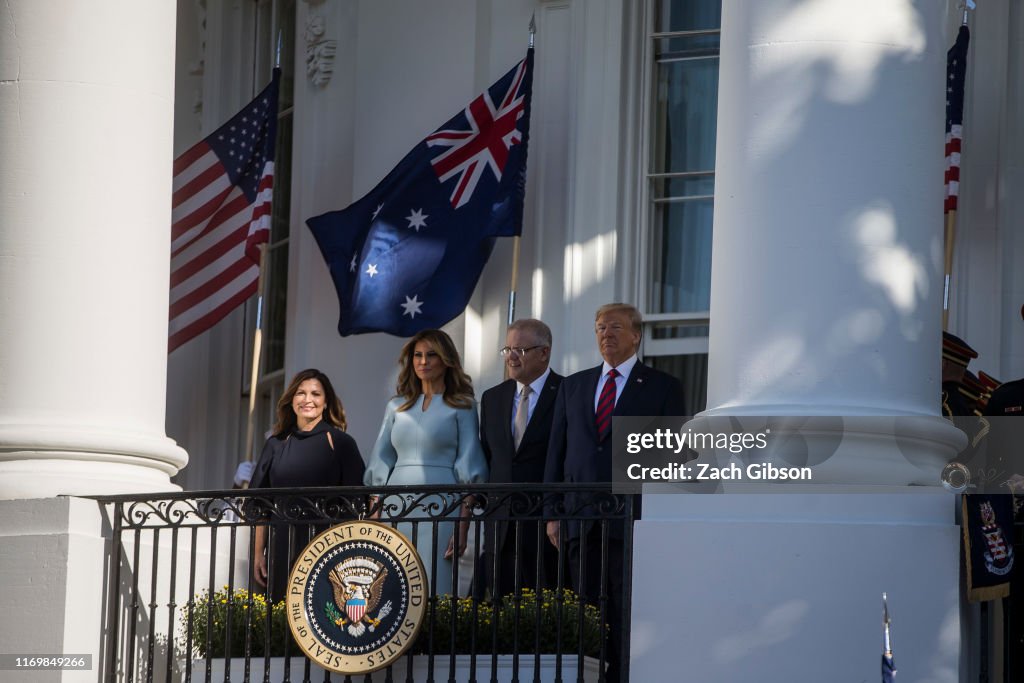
x=518, y=350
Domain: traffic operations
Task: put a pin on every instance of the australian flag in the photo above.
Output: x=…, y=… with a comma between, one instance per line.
x=407, y=256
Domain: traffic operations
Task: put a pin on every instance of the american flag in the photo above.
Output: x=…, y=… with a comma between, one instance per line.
x=221, y=214
x=956, y=71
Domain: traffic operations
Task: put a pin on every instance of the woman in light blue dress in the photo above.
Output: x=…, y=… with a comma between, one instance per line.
x=430, y=435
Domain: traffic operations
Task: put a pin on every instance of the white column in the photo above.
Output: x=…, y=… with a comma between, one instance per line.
x=825, y=301
x=86, y=105
x=827, y=206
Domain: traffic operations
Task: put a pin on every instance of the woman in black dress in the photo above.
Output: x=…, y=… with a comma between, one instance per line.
x=309, y=447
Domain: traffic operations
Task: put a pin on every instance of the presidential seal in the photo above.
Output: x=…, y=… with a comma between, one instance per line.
x=356, y=597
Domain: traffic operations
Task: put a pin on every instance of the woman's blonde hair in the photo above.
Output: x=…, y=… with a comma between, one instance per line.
x=458, y=387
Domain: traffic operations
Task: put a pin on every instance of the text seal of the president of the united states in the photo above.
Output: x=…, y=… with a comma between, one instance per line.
x=356, y=597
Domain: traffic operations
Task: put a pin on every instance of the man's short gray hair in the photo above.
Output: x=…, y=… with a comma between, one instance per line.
x=535, y=327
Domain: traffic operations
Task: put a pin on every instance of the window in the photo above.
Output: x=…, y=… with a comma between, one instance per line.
x=681, y=68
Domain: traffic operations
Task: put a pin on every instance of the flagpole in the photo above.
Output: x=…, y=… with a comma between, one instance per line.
x=514, y=284
x=966, y=5
x=950, y=234
x=888, y=667
x=257, y=348
x=886, y=625
x=950, y=226
x=257, y=337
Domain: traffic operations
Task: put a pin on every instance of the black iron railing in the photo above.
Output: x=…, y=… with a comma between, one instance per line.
x=182, y=603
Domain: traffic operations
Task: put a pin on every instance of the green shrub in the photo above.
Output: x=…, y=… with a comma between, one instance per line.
x=248, y=617
x=556, y=615
x=469, y=615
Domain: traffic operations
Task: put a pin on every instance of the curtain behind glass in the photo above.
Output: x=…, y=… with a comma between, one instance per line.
x=692, y=371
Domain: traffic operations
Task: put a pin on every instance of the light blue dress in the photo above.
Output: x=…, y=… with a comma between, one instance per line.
x=440, y=445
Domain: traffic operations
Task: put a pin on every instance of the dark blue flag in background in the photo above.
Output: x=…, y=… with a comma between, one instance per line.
x=988, y=545
x=407, y=256
x=888, y=669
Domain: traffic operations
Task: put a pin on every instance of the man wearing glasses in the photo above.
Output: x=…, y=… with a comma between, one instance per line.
x=515, y=425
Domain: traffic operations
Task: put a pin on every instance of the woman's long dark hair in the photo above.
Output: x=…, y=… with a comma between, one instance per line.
x=334, y=412
x=458, y=388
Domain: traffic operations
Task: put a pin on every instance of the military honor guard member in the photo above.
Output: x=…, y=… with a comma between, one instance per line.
x=956, y=356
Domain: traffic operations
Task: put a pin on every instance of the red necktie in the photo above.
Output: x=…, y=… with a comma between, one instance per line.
x=605, y=406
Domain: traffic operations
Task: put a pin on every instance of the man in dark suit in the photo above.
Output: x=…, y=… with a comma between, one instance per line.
x=515, y=424
x=580, y=450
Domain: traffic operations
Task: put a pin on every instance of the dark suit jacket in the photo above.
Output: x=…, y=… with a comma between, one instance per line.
x=574, y=452
x=1007, y=399
x=508, y=464
x=1002, y=445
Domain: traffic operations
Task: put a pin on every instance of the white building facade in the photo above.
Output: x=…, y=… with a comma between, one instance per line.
x=762, y=179
x=621, y=186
